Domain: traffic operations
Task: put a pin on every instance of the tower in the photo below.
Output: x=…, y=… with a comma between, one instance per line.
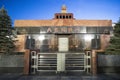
x=63, y=9
x=63, y=14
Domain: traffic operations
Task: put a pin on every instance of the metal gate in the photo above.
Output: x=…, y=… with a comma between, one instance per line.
x=74, y=62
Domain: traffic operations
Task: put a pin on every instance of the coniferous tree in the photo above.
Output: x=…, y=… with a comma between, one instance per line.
x=114, y=47
x=6, y=38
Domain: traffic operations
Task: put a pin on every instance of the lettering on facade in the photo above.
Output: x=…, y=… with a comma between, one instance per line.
x=62, y=30
x=56, y=30
x=49, y=30
x=70, y=30
x=65, y=29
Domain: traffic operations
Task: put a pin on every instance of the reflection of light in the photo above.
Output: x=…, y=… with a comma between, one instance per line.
x=42, y=32
x=29, y=37
x=10, y=36
x=41, y=56
x=41, y=37
x=7, y=36
x=88, y=37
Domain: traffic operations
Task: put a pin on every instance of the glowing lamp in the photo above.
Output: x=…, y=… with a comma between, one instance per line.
x=88, y=37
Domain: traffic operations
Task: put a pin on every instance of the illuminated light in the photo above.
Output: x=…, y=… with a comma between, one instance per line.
x=42, y=32
x=29, y=37
x=88, y=37
x=41, y=37
x=76, y=46
x=7, y=36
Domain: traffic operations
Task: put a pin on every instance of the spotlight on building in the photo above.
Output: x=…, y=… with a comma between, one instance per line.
x=88, y=37
x=41, y=37
x=29, y=37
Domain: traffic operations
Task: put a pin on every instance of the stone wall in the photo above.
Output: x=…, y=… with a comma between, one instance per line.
x=108, y=63
x=11, y=63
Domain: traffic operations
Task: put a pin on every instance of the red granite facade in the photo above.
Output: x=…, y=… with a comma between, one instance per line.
x=63, y=20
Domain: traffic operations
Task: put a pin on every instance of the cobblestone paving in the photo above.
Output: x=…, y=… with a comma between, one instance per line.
x=58, y=77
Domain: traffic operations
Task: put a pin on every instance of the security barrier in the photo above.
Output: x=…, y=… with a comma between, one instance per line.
x=60, y=62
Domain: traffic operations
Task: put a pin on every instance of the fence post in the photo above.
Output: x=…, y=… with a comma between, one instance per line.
x=88, y=61
x=34, y=61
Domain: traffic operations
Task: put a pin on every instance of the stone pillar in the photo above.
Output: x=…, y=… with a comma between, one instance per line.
x=94, y=62
x=26, y=62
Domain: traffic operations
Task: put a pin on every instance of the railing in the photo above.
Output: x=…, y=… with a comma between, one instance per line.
x=46, y=62
x=74, y=62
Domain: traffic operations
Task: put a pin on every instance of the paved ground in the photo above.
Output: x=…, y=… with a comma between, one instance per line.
x=59, y=77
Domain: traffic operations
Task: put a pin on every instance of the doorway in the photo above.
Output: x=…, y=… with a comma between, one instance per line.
x=63, y=46
x=63, y=60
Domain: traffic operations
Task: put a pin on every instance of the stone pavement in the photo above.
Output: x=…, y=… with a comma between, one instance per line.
x=59, y=77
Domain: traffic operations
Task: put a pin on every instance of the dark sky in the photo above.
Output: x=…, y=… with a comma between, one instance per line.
x=45, y=9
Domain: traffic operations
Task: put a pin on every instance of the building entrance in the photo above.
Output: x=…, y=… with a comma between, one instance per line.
x=63, y=44
x=61, y=61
